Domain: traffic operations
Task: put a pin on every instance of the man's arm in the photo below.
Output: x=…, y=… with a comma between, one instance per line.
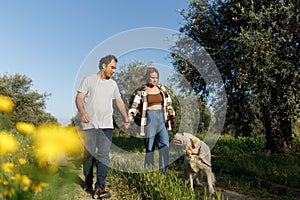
x=79, y=104
x=121, y=106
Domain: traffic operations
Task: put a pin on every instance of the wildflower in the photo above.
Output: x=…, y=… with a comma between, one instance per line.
x=53, y=142
x=25, y=188
x=25, y=128
x=22, y=161
x=74, y=146
x=6, y=104
x=8, y=167
x=38, y=187
x=8, y=143
x=26, y=182
x=16, y=177
x=8, y=192
x=43, y=184
x=23, y=180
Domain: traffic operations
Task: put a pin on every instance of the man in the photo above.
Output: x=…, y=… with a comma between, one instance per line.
x=94, y=101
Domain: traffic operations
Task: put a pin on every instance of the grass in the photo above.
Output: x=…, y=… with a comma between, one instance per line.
x=240, y=164
x=155, y=185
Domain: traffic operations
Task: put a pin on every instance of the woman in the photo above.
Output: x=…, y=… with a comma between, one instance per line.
x=155, y=102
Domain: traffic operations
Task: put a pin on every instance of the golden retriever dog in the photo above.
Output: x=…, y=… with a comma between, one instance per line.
x=197, y=159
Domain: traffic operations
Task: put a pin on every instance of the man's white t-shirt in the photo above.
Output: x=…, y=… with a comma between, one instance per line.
x=98, y=101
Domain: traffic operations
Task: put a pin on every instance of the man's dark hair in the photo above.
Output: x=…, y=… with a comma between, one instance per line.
x=106, y=60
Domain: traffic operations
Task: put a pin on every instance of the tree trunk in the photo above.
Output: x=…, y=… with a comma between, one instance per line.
x=278, y=133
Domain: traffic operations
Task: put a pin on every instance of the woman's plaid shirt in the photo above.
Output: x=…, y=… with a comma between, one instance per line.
x=141, y=99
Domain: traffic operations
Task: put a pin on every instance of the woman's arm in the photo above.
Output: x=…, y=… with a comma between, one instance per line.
x=134, y=107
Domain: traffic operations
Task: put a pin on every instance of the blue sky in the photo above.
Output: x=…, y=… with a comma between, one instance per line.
x=48, y=40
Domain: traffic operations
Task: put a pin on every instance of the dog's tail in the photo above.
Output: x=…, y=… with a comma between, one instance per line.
x=211, y=184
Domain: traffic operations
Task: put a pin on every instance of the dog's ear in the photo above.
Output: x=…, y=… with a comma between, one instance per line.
x=195, y=151
x=188, y=151
x=194, y=142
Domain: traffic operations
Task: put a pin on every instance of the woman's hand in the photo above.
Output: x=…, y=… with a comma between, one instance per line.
x=126, y=124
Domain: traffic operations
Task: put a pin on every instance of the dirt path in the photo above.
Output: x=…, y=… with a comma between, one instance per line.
x=82, y=195
x=231, y=195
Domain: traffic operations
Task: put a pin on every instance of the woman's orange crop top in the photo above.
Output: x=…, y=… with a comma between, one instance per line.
x=154, y=99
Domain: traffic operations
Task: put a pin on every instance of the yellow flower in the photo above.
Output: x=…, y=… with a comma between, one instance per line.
x=25, y=189
x=22, y=161
x=43, y=184
x=16, y=177
x=38, y=187
x=8, y=167
x=8, y=143
x=23, y=180
x=53, y=142
x=25, y=128
x=74, y=146
x=6, y=104
x=8, y=192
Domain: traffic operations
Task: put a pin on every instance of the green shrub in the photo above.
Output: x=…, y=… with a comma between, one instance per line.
x=244, y=158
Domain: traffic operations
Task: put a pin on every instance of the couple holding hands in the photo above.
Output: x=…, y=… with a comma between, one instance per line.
x=94, y=101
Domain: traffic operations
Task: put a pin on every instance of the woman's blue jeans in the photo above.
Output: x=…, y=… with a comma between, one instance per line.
x=97, y=147
x=156, y=132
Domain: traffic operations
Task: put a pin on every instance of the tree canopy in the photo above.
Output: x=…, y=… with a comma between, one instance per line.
x=255, y=45
x=29, y=105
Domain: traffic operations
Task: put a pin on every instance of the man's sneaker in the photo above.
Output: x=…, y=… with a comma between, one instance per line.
x=88, y=185
x=101, y=193
x=88, y=189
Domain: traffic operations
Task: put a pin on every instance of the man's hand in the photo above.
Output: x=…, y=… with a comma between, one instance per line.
x=126, y=124
x=85, y=118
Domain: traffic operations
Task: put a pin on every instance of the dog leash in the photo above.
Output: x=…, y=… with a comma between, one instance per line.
x=205, y=162
x=198, y=154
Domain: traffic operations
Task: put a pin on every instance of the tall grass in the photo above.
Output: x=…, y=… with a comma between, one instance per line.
x=156, y=185
x=152, y=183
x=240, y=164
x=29, y=167
x=244, y=162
